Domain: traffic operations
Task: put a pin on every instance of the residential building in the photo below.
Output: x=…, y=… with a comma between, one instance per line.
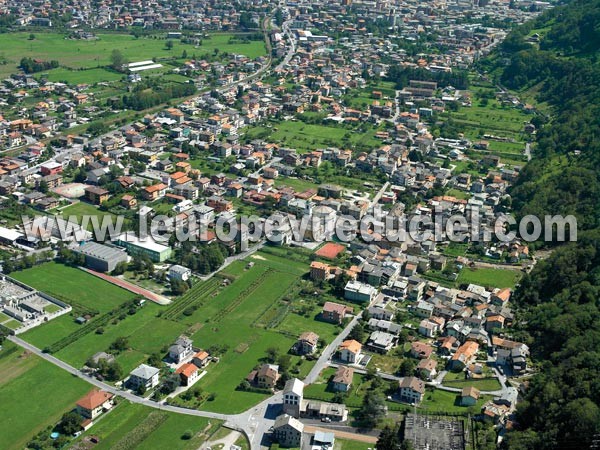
x=334, y=312
x=411, y=390
x=307, y=343
x=350, y=351
x=287, y=431
x=143, y=376
x=342, y=380
x=94, y=403
x=181, y=349
x=469, y=396
x=188, y=373
x=293, y=394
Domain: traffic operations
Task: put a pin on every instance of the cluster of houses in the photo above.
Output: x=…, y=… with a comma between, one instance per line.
x=189, y=15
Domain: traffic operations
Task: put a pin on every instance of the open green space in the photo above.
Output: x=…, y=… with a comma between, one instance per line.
x=34, y=394
x=483, y=384
x=76, y=54
x=436, y=400
x=307, y=137
x=228, y=321
x=129, y=422
x=81, y=209
x=145, y=332
x=74, y=286
x=89, y=76
x=500, y=278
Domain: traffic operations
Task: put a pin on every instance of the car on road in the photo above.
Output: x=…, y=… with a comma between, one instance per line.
x=325, y=419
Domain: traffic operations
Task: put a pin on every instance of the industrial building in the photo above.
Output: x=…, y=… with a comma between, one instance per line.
x=101, y=258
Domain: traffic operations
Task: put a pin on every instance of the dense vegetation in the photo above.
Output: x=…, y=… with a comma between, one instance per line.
x=30, y=65
x=559, y=301
x=402, y=75
x=146, y=95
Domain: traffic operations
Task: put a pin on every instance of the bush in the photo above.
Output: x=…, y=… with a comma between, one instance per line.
x=187, y=435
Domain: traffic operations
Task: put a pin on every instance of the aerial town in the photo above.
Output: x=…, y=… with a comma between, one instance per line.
x=177, y=117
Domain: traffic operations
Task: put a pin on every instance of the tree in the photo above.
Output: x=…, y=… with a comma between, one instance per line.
x=120, y=344
x=70, y=423
x=357, y=333
x=169, y=45
x=389, y=439
x=120, y=268
x=373, y=408
x=170, y=383
x=272, y=354
x=31, y=37
x=184, y=54
x=407, y=367
x=117, y=60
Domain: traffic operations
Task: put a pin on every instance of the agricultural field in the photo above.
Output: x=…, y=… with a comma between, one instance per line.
x=307, y=137
x=93, y=54
x=229, y=320
x=500, y=278
x=47, y=391
x=145, y=332
x=488, y=116
x=139, y=427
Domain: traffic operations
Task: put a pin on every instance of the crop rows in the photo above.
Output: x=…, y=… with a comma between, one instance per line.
x=196, y=294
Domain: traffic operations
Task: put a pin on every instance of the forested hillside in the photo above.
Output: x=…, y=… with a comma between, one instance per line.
x=559, y=301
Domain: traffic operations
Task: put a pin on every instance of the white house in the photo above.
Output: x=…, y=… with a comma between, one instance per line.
x=350, y=351
x=143, y=375
x=179, y=273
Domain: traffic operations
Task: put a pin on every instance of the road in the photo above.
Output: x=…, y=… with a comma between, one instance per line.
x=328, y=352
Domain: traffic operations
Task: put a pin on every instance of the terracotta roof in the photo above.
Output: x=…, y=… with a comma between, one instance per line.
x=94, y=399
x=351, y=345
x=187, y=370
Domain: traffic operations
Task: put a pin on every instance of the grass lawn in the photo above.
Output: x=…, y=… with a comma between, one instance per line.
x=34, y=394
x=74, y=286
x=89, y=76
x=346, y=444
x=96, y=53
x=52, y=331
x=119, y=423
x=307, y=137
x=437, y=400
x=500, y=278
x=82, y=209
x=146, y=334
x=296, y=323
x=483, y=384
x=295, y=183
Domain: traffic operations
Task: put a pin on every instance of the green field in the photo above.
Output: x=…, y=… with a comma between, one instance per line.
x=76, y=54
x=119, y=424
x=74, y=286
x=437, y=400
x=34, y=394
x=228, y=320
x=88, y=76
x=146, y=333
x=483, y=384
x=307, y=137
x=500, y=278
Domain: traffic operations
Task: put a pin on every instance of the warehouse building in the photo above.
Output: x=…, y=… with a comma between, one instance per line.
x=135, y=247
x=101, y=258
